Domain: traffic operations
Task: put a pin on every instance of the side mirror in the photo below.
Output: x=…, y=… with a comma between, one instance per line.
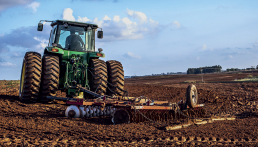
x=40, y=27
x=100, y=34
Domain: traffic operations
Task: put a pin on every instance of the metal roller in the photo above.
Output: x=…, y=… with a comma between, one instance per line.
x=120, y=116
x=90, y=111
x=82, y=111
x=97, y=111
x=108, y=111
x=101, y=113
x=87, y=111
x=105, y=111
x=94, y=112
x=72, y=111
x=111, y=110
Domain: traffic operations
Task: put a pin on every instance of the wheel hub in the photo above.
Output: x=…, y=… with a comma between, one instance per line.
x=71, y=113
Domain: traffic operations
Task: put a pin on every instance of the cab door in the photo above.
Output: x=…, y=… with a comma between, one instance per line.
x=52, y=36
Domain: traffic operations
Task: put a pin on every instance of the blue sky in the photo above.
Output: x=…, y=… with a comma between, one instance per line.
x=147, y=36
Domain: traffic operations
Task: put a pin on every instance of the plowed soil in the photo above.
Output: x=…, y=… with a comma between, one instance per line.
x=45, y=124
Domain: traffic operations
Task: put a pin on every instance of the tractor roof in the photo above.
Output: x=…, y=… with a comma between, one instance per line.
x=74, y=23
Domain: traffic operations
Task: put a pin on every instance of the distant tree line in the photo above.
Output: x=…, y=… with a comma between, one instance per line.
x=237, y=69
x=206, y=69
x=233, y=69
x=168, y=73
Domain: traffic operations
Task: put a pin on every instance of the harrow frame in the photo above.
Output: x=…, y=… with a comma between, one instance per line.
x=131, y=109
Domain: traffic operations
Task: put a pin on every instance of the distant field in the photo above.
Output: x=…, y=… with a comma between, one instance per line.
x=9, y=83
x=196, y=78
x=9, y=87
x=247, y=76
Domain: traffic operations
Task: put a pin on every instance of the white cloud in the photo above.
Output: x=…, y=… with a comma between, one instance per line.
x=138, y=15
x=41, y=46
x=204, y=47
x=141, y=16
x=255, y=45
x=106, y=18
x=130, y=12
x=17, y=54
x=25, y=39
x=153, y=22
x=176, y=24
x=128, y=22
x=98, y=22
x=7, y=64
x=131, y=55
x=68, y=14
x=120, y=29
x=116, y=18
x=83, y=19
x=230, y=56
x=34, y=6
x=131, y=30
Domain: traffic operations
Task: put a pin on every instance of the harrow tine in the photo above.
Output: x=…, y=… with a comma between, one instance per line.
x=141, y=115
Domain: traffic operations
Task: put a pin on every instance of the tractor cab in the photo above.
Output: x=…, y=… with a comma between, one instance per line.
x=72, y=36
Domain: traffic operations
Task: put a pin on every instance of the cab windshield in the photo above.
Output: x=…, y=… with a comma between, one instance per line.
x=75, y=38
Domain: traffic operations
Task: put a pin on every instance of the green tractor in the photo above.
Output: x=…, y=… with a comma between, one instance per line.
x=70, y=64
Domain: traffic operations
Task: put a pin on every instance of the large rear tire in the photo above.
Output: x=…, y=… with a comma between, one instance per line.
x=30, y=77
x=98, y=76
x=115, y=78
x=50, y=77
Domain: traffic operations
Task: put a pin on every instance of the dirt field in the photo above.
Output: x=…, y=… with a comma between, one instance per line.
x=45, y=125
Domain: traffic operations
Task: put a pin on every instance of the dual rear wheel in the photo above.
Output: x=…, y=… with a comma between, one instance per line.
x=40, y=77
x=106, y=77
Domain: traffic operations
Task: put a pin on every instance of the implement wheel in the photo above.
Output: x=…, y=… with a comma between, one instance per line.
x=121, y=116
x=98, y=76
x=30, y=77
x=115, y=78
x=50, y=77
x=191, y=96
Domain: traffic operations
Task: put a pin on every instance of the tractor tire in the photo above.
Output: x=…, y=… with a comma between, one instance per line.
x=50, y=77
x=115, y=78
x=30, y=77
x=98, y=76
x=191, y=96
